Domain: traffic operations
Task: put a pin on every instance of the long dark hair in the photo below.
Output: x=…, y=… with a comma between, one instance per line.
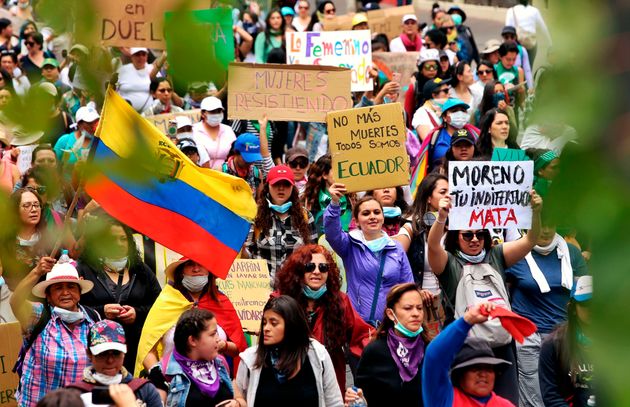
x=484, y=146
x=487, y=101
x=264, y=219
x=290, y=280
x=316, y=182
x=191, y=323
x=268, y=33
x=315, y=17
x=458, y=69
x=97, y=234
x=419, y=207
x=296, y=342
x=565, y=340
x=16, y=199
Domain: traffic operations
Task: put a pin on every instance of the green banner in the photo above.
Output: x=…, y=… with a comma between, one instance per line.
x=200, y=45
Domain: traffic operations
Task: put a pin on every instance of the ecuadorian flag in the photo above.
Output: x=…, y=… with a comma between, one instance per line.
x=142, y=179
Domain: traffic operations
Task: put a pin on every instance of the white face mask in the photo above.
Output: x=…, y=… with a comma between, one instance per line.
x=115, y=264
x=107, y=380
x=69, y=317
x=459, y=119
x=214, y=119
x=194, y=284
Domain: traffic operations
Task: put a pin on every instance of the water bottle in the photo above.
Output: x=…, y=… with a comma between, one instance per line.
x=360, y=402
x=64, y=258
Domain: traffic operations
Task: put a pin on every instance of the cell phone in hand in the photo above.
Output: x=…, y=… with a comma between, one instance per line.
x=100, y=395
x=223, y=403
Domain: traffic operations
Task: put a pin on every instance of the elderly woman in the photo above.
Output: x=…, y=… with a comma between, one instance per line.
x=190, y=285
x=466, y=249
x=311, y=277
x=472, y=376
x=163, y=98
x=287, y=367
x=54, y=354
x=389, y=372
x=374, y=263
x=282, y=224
x=124, y=287
x=107, y=347
x=198, y=375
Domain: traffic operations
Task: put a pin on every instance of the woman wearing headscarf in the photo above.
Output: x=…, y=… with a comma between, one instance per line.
x=282, y=224
x=124, y=287
x=311, y=277
x=390, y=369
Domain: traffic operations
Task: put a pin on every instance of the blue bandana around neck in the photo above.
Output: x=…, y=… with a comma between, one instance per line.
x=391, y=212
x=314, y=294
x=472, y=259
x=284, y=208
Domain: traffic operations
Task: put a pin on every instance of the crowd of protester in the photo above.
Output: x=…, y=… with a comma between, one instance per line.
x=365, y=306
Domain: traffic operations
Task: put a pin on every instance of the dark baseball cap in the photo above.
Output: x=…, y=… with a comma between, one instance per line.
x=462, y=135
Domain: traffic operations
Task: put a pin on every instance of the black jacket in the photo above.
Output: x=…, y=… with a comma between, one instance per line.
x=378, y=376
x=143, y=291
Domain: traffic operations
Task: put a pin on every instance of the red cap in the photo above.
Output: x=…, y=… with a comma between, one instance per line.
x=280, y=173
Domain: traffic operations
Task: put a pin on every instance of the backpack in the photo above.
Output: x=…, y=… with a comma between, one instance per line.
x=525, y=37
x=37, y=329
x=482, y=283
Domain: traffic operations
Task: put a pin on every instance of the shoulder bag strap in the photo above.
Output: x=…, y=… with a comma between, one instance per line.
x=377, y=287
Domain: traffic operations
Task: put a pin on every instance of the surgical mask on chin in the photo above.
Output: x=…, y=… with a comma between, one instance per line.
x=284, y=208
x=405, y=331
x=377, y=245
x=107, y=380
x=115, y=264
x=87, y=135
x=69, y=317
x=194, y=284
x=214, y=120
x=390, y=212
x=314, y=294
x=459, y=119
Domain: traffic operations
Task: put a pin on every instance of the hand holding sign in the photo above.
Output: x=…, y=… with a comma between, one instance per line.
x=337, y=190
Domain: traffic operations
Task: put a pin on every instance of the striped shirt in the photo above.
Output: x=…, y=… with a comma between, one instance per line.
x=56, y=359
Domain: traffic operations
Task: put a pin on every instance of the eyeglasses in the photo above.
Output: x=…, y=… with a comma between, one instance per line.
x=330, y=11
x=164, y=90
x=29, y=43
x=30, y=205
x=468, y=236
x=323, y=267
x=430, y=67
x=298, y=163
x=484, y=71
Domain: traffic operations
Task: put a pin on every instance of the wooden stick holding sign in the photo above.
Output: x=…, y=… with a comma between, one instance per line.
x=368, y=147
x=490, y=194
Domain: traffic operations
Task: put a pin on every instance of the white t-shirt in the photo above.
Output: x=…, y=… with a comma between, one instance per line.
x=133, y=85
x=422, y=118
x=527, y=18
x=396, y=45
x=216, y=150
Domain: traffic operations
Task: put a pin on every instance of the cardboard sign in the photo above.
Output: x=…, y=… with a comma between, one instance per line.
x=203, y=51
x=247, y=286
x=347, y=49
x=383, y=21
x=162, y=121
x=25, y=157
x=404, y=63
x=368, y=147
x=490, y=194
x=287, y=92
x=11, y=335
x=137, y=23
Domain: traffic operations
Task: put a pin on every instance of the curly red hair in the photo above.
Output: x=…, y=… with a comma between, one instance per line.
x=289, y=281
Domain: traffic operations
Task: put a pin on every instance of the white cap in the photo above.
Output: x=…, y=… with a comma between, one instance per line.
x=409, y=17
x=49, y=88
x=87, y=114
x=211, y=103
x=428, y=55
x=134, y=50
x=182, y=121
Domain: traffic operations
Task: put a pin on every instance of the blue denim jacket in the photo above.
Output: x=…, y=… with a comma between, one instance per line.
x=180, y=383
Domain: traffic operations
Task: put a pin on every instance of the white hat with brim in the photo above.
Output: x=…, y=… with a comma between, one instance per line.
x=61, y=273
x=135, y=50
x=104, y=347
x=170, y=269
x=21, y=138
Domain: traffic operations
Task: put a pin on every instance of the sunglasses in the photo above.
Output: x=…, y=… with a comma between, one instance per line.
x=330, y=11
x=443, y=90
x=29, y=43
x=484, y=71
x=310, y=267
x=410, y=22
x=447, y=28
x=468, y=236
x=165, y=90
x=298, y=163
x=430, y=67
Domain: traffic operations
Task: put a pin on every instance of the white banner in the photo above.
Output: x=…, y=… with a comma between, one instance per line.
x=346, y=49
x=490, y=194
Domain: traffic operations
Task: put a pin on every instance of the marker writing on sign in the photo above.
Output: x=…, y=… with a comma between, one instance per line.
x=488, y=175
